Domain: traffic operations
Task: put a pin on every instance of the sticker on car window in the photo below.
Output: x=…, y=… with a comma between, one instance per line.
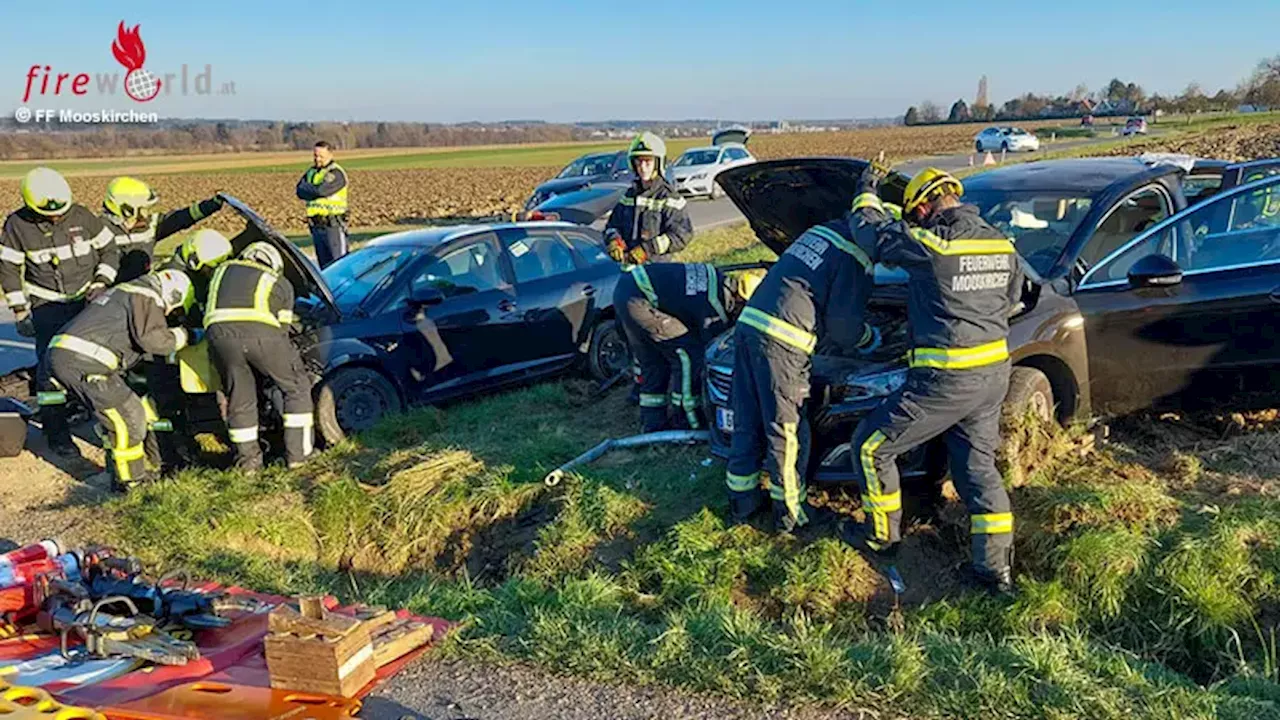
x=518, y=248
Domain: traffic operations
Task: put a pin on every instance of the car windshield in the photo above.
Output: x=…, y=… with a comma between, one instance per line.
x=355, y=275
x=1040, y=223
x=697, y=157
x=588, y=165
x=1017, y=131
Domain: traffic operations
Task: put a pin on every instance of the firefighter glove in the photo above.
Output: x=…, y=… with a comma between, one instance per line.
x=637, y=256
x=24, y=324
x=872, y=175
x=616, y=248
x=94, y=292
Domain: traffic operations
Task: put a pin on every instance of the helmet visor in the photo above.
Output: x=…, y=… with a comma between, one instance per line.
x=51, y=206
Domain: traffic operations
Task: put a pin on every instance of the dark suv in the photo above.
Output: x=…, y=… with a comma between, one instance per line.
x=1133, y=300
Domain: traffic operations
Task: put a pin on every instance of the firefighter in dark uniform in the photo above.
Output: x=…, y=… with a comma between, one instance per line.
x=248, y=315
x=92, y=353
x=669, y=312
x=127, y=211
x=816, y=294
x=54, y=254
x=323, y=187
x=649, y=220
x=965, y=278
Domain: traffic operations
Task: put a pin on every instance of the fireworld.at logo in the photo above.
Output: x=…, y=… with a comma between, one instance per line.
x=140, y=84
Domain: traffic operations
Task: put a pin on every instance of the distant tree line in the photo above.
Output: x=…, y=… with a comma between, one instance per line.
x=1261, y=90
x=50, y=141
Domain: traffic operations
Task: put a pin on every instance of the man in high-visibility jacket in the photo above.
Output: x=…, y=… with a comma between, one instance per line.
x=247, y=318
x=323, y=187
x=127, y=210
x=669, y=312
x=815, y=294
x=54, y=254
x=91, y=354
x=965, y=279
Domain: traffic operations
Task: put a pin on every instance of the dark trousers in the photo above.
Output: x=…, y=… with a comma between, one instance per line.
x=48, y=318
x=119, y=411
x=671, y=363
x=166, y=415
x=963, y=406
x=329, y=237
x=238, y=351
x=770, y=425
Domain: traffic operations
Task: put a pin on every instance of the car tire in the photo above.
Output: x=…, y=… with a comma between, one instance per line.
x=977, y=145
x=1029, y=389
x=607, y=353
x=716, y=191
x=353, y=399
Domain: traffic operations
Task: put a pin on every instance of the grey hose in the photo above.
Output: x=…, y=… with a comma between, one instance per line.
x=688, y=437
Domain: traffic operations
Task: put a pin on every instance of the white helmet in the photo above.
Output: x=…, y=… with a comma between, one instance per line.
x=176, y=290
x=264, y=253
x=45, y=191
x=205, y=249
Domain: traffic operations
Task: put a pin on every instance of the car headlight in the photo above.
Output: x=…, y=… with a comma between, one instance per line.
x=699, y=176
x=875, y=385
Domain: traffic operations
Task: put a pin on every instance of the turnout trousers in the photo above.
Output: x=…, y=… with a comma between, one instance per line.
x=963, y=406
x=770, y=427
x=671, y=365
x=238, y=351
x=329, y=237
x=120, y=413
x=48, y=319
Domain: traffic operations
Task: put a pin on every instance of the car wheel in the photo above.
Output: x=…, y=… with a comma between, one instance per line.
x=977, y=145
x=716, y=191
x=1029, y=391
x=607, y=353
x=352, y=400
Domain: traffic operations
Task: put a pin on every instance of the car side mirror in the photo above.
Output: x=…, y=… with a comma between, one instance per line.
x=1154, y=271
x=425, y=296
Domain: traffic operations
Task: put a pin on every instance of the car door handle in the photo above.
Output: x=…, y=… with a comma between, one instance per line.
x=589, y=290
x=507, y=305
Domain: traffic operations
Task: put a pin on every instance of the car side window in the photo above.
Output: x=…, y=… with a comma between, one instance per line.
x=590, y=250
x=468, y=269
x=1131, y=216
x=736, y=154
x=540, y=255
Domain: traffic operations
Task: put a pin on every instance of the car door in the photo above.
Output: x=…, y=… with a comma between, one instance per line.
x=1247, y=172
x=466, y=334
x=551, y=295
x=1179, y=342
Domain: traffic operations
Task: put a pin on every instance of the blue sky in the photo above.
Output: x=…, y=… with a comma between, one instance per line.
x=589, y=60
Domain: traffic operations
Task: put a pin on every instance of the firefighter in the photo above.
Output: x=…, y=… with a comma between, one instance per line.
x=92, y=353
x=323, y=187
x=669, y=312
x=247, y=318
x=54, y=254
x=815, y=294
x=649, y=220
x=965, y=278
x=198, y=257
x=127, y=211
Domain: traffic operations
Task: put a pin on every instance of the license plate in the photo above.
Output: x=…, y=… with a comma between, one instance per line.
x=724, y=419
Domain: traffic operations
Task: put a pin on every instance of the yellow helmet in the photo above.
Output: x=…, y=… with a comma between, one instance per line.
x=928, y=184
x=45, y=191
x=205, y=248
x=647, y=144
x=745, y=282
x=128, y=199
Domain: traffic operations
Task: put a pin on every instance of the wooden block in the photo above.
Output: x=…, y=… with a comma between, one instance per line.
x=395, y=639
x=373, y=624
x=328, y=665
x=285, y=619
x=312, y=607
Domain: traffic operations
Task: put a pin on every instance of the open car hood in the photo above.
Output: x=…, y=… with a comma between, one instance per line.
x=783, y=198
x=298, y=268
x=727, y=135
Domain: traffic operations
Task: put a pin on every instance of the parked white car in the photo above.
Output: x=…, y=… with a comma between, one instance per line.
x=1010, y=139
x=694, y=172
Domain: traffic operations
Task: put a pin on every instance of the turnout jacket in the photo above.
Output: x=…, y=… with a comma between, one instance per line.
x=145, y=240
x=46, y=261
x=122, y=325
x=965, y=278
x=653, y=218
x=250, y=296
x=697, y=295
x=818, y=289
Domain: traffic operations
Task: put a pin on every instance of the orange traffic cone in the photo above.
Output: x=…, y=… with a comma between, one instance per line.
x=989, y=160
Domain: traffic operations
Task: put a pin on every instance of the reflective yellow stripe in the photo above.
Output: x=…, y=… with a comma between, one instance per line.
x=12, y=256
x=677, y=400
x=135, y=452
x=122, y=452
x=880, y=518
x=686, y=384
x=51, y=397
x=792, y=493
x=54, y=295
x=261, y=310
x=88, y=349
x=648, y=203
x=646, y=286
x=836, y=239
x=103, y=239
x=286, y=316
x=154, y=421
x=17, y=298
x=882, y=503
x=299, y=420
x=960, y=358
x=867, y=200
x=779, y=330
x=991, y=524
x=996, y=246
x=650, y=400
x=894, y=211
x=713, y=294
x=195, y=211
x=243, y=435
x=662, y=243
x=106, y=272
x=143, y=290
x=742, y=483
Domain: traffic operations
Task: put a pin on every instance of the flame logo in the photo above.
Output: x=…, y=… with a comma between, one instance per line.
x=128, y=47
